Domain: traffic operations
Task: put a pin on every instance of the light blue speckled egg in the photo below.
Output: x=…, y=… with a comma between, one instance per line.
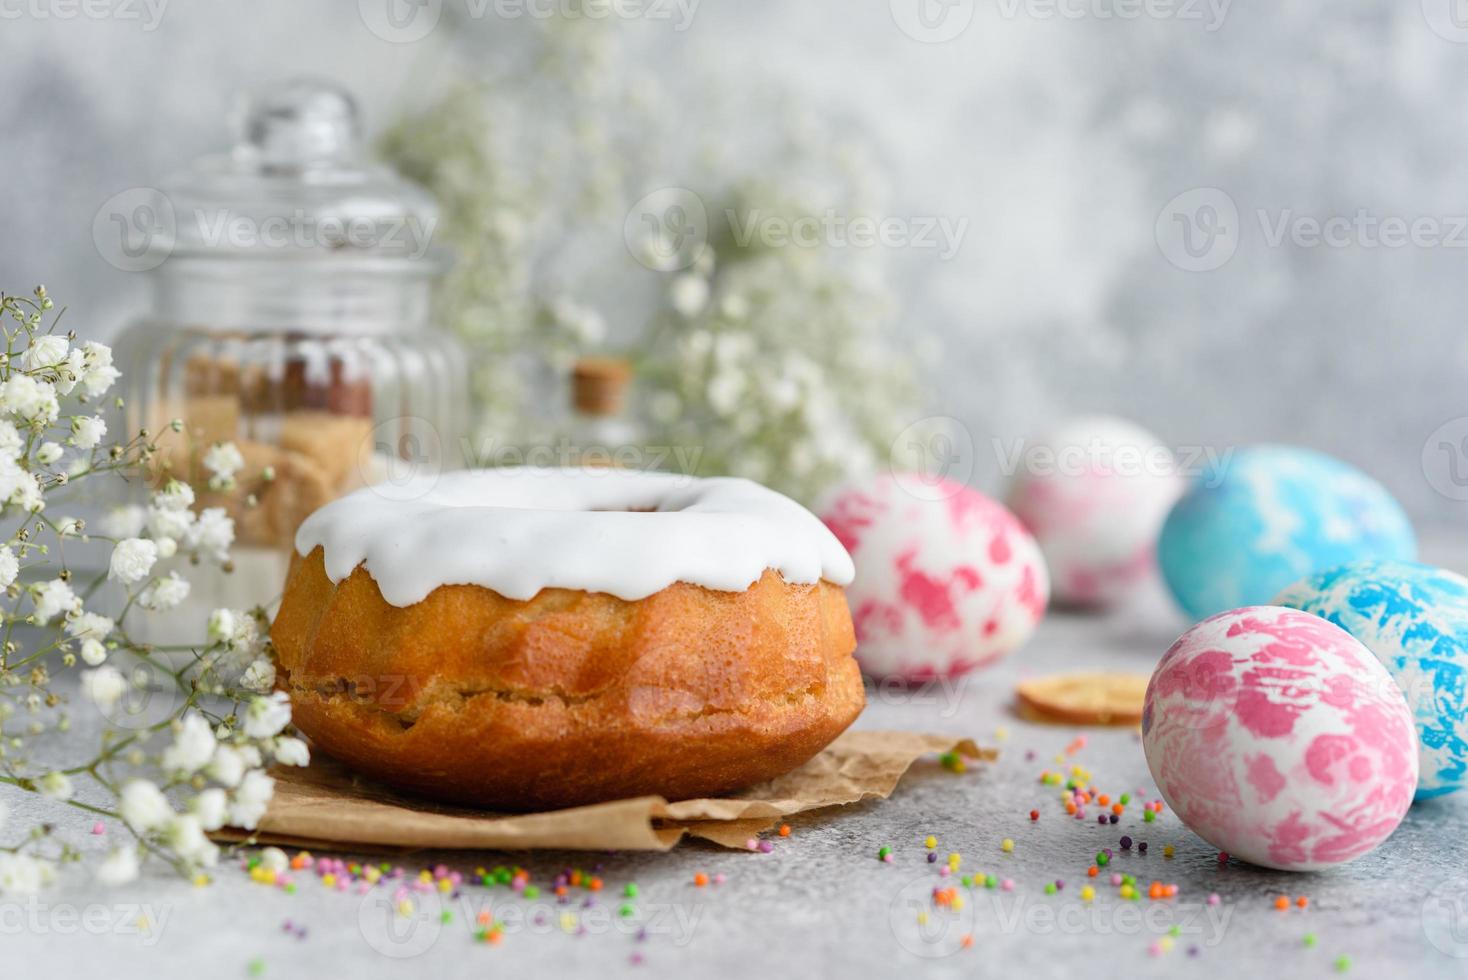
x=1415, y=619
x=1269, y=515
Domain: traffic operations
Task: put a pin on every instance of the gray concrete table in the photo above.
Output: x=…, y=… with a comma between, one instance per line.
x=822, y=904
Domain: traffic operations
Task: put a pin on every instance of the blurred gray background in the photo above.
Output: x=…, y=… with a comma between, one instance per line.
x=1138, y=180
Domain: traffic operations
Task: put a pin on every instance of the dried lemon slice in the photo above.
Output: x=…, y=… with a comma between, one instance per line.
x=1085, y=699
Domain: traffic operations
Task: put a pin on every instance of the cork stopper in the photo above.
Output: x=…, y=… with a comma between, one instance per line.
x=599, y=385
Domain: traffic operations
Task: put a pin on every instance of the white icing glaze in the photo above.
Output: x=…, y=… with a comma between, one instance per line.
x=520, y=530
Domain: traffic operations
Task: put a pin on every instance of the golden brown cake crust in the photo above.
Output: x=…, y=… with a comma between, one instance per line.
x=571, y=697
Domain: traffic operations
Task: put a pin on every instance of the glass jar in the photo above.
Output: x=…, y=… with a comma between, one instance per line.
x=291, y=319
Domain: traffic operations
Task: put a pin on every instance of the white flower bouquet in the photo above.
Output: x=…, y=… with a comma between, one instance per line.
x=175, y=742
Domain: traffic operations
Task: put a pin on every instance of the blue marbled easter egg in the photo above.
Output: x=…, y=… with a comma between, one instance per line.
x=1266, y=516
x=1415, y=619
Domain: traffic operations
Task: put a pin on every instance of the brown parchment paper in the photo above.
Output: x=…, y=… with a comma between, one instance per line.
x=324, y=806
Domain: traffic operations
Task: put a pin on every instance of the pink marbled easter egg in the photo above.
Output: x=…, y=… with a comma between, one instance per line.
x=1094, y=492
x=1278, y=738
x=946, y=579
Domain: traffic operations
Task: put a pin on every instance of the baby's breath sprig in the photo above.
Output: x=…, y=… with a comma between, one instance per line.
x=186, y=731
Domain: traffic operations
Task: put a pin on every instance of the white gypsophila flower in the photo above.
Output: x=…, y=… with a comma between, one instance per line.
x=235, y=629
x=45, y=351
x=119, y=867
x=689, y=294
x=124, y=522
x=193, y=746
x=166, y=593
x=93, y=652
x=143, y=805
x=259, y=676
x=212, y=534
x=266, y=716
x=87, y=431
x=103, y=686
x=98, y=374
x=210, y=806
x=291, y=751
x=28, y=399
x=56, y=786
x=169, y=523
x=49, y=453
x=177, y=495
x=228, y=766
x=89, y=624
x=185, y=836
x=53, y=598
x=223, y=460
x=29, y=496
x=251, y=799
x=69, y=526
x=9, y=566
x=68, y=374
x=22, y=874
x=274, y=859
x=132, y=560
x=223, y=623
x=10, y=441
x=167, y=547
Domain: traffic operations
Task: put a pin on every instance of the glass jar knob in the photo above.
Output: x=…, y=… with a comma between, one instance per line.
x=302, y=123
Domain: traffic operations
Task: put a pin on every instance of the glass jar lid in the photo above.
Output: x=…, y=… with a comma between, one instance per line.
x=298, y=187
